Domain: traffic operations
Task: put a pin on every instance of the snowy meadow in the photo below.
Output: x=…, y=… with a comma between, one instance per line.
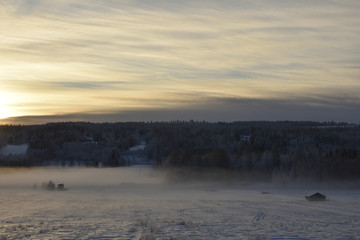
x=143, y=203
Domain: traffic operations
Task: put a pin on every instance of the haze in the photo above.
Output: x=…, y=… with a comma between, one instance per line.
x=135, y=203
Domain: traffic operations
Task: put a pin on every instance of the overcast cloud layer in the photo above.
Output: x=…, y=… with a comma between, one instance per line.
x=166, y=60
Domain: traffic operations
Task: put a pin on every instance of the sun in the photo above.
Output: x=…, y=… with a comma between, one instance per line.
x=4, y=112
x=5, y=105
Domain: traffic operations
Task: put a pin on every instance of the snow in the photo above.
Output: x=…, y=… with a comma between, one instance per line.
x=139, y=203
x=14, y=149
x=136, y=155
x=138, y=147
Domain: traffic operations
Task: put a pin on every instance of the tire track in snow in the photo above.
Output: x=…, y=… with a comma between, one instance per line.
x=259, y=216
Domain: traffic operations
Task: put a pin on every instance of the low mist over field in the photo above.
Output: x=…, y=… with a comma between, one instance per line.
x=144, y=203
x=80, y=177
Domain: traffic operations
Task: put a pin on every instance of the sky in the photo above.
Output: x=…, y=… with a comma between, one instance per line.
x=157, y=60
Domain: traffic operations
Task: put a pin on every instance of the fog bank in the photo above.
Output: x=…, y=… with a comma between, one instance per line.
x=79, y=177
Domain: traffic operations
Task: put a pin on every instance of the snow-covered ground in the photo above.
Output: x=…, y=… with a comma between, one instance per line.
x=14, y=149
x=138, y=203
x=141, y=146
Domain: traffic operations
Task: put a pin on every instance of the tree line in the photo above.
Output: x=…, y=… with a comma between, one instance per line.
x=281, y=149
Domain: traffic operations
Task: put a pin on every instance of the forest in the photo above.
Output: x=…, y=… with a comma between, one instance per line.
x=274, y=149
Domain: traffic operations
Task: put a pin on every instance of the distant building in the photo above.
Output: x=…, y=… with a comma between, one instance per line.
x=101, y=141
x=245, y=138
x=12, y=150
x=88, y=139
x=316, y=197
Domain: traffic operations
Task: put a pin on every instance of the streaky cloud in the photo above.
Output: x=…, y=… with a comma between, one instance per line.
x=221, y=109
x=138, y=57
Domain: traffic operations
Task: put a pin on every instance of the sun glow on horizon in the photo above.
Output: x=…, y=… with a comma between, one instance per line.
x=6, y=111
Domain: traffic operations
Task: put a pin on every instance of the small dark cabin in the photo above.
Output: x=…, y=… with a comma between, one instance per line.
x=316, y=197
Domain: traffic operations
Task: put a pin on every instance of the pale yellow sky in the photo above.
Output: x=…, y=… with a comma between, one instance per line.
x=211, y=60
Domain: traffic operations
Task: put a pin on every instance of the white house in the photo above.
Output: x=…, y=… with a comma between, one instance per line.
x=12, y=150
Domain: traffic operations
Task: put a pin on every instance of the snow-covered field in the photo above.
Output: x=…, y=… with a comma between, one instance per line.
x=138, y=203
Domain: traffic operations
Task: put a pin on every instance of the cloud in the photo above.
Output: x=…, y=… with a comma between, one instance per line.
x=90, y=55
x=314, y=108
x=90, y=84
